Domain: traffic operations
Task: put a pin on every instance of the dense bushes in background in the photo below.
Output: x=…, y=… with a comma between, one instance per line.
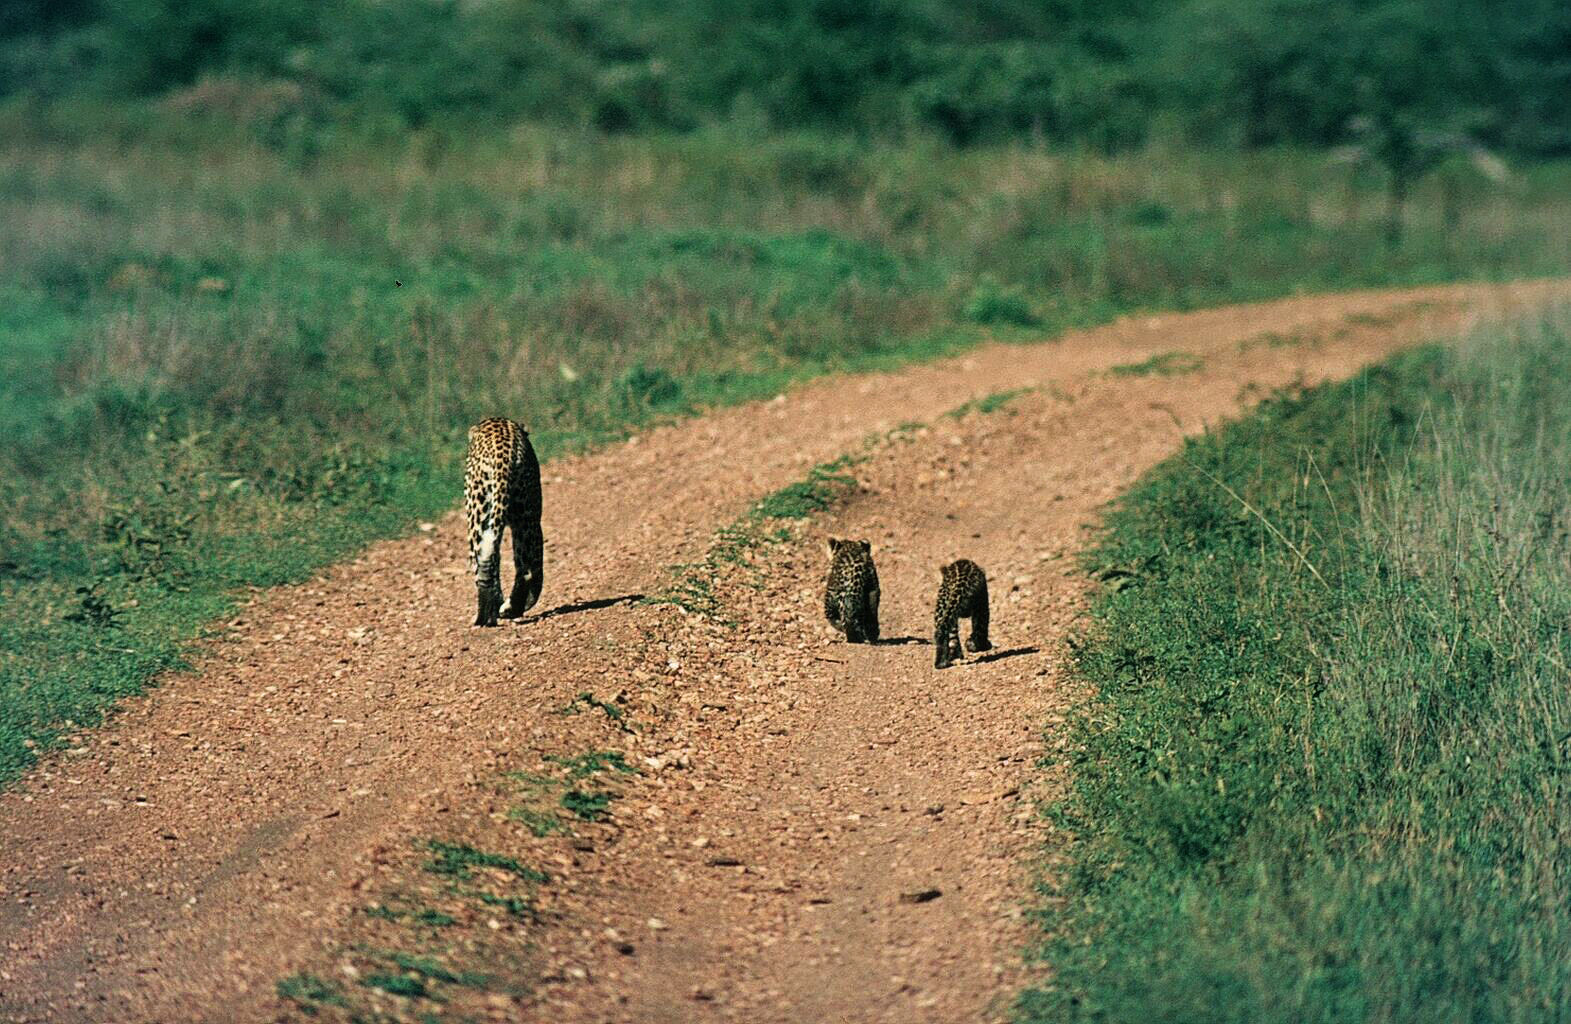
x=1107, y=74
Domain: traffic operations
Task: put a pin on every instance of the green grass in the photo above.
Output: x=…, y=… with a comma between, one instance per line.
x=1164, y=364
x=588, y=805
x=398, y=985
x=459, y=860
x=548, y=797
x=429, y=969
x=516, y=906
x=988, y=403
x=310, y=993
x=432, y=918
x=615, y=714
x=540, y=823
x=427, y=916
x=1324, y=775
x=228, y=359
x=824, y=487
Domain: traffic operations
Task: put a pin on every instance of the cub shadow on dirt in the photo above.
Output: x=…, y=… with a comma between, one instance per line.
x=1013, y=652
x=974, y=659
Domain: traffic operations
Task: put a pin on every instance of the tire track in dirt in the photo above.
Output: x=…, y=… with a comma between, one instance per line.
x=222, y=832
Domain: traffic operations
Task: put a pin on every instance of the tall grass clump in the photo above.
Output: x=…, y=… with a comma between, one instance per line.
x=1326, y=773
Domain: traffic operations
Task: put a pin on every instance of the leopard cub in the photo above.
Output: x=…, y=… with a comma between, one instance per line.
x=851, y=591
x=962, y=594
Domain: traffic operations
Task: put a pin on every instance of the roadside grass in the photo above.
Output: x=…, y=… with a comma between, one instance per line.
x=227, y=360
x=1324, y=773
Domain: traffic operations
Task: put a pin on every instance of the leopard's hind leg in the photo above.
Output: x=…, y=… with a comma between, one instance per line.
x=485, y=558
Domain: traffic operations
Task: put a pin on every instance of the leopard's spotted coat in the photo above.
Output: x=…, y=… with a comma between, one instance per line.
x=962, y=594
x=502, y=491
x=851, y=591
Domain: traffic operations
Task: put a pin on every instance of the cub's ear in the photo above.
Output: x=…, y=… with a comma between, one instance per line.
x=830, y=544
x=867, y=546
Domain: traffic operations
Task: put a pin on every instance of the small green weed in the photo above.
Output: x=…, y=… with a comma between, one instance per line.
x=398, y=985
x=516, y=906
x=587, y=805
x=539, y=823
x=431, y=970
x=310, y=993
x=458, y=860
x=433, y=918
x=585, y=699
x=1166, y=364
x=826, y=485
x=1277, y=340
x=987, y=403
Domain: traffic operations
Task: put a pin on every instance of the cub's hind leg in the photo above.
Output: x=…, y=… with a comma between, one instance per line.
x=946, y=641
x=946, y=627
x=979, y=640
x=855, y=621
x=870, y=610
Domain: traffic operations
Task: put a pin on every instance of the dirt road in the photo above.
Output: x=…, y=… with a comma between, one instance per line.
x=358, y=796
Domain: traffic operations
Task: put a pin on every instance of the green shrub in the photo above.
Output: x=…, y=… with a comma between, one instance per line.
x=993, y=304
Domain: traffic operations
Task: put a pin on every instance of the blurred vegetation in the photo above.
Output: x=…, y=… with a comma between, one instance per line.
x=1322, y=776
x=1106, y=73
